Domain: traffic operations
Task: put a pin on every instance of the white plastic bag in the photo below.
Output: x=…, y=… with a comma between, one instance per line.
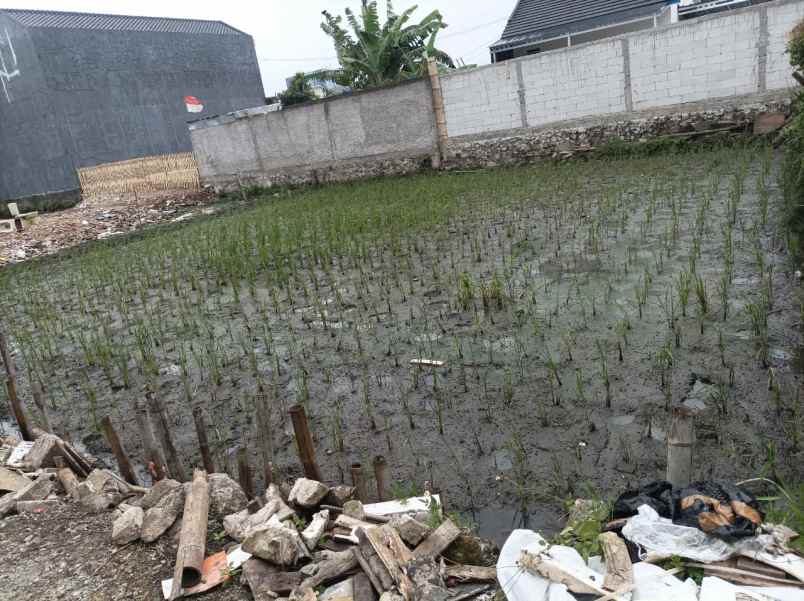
x=660, y=535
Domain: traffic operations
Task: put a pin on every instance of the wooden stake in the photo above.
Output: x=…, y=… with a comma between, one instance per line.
x=152, y=451
x=203, y=444
x=126, y=470
x=380, y=469
x=244, y=473
x=193, y=538
x=163, y=431
x=680, y=442
x=11, y=388
x=265, y=439
x=359, y=482
x=304, y=443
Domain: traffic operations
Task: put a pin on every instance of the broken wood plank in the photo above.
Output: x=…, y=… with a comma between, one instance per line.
x=463, y=573
x=362, y=589
x=269, y=581
x=193, y=538
x=331, y=567
x=438, y=541
x=619, y=570
x=394, y=555
x=554, y=572
x=372, y=564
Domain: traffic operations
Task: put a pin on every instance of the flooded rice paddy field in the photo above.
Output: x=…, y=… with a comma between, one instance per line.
x=572, y=305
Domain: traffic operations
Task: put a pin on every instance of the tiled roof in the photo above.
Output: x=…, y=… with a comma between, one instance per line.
x=542, y=19
x=70, y=20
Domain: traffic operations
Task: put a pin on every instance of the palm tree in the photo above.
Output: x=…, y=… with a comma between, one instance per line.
x=381, y=54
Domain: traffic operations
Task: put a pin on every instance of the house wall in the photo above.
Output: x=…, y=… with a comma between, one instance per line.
x=718, y=56
x=88, y=97
x=362, y=134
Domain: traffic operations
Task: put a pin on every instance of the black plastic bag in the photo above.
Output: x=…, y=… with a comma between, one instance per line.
x=722, y=510
x=656, y=495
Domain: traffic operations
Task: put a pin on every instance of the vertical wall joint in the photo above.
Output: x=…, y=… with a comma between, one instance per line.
x=762, y=51
x=520, y=88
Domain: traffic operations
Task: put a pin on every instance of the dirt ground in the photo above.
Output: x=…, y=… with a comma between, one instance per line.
x=66, y=553
x=97, y=218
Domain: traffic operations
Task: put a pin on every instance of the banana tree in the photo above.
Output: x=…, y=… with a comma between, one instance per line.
x=375, y=54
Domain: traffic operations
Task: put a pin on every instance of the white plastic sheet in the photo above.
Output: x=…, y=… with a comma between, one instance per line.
x=661, y=535
x=652, y=583
x=520, y=585
x=715, y=589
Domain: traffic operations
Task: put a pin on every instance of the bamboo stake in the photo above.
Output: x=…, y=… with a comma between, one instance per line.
x=203, y=444
x=680, y=442
x=152, y=451
x=359, y=482
x=163, y=431
x=244, y=473
x=380, y=472
x=126, y=470
x=11, y=388
x=36, y=394
x=304, y=443
x=193, y=538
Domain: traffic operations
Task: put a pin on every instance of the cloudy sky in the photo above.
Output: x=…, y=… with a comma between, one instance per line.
x=287, y=32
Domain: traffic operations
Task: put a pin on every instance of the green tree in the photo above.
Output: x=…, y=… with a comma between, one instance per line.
x=374, y=54
x=298, y=91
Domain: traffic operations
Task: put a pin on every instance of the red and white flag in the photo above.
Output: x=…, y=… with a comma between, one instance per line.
x=193, y=104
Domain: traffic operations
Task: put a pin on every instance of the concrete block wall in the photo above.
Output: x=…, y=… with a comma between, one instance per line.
x=781, y=18
x=256, y=144
x=728, y=54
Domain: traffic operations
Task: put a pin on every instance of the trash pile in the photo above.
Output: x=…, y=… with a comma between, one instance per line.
x=300, y=541
x=97, y=218
x=712, y=529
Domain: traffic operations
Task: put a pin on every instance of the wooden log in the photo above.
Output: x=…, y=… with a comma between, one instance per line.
x=73, y=459
x=244, y=472
x=331, y=566
x=203, y=443
x=69, y=481
x=738, y=575
x=163, y=432
x=153, y=452
x=362, y=588
x=126, y=470
x=359, y=482
x=380, y=475
x=372, y=565
x=435, y=544
x=304, y=443
x=193, y=537
x=680, y=443
x=265, y=437
x=471, y=573
x=619, y=571
x=394, y=555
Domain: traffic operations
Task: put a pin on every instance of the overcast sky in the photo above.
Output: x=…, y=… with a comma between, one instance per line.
x=287, y=33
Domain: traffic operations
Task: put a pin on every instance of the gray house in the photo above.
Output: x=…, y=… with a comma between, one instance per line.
x=78, y=90
x=542, y=25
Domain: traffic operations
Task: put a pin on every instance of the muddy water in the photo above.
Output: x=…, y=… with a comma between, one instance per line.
x=493, y=429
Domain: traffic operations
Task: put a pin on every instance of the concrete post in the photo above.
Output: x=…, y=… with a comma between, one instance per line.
x=438, y=111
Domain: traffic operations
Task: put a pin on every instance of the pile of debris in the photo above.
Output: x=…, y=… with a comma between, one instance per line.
x=659, y=534
x=98, y=218
x=301, y=541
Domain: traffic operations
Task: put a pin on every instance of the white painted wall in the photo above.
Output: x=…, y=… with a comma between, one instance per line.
x=717, y=56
